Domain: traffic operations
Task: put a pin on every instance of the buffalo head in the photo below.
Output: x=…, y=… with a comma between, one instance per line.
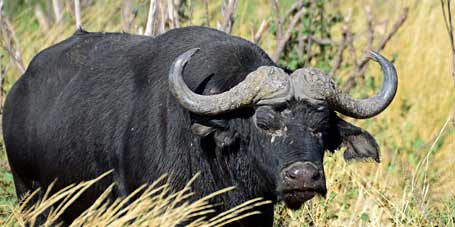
x=291, y=123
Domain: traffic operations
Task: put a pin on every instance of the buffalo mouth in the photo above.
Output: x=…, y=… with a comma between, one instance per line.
x=295, y=198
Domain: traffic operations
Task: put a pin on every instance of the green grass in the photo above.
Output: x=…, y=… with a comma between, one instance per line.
x=7, y=196
x=7, y=192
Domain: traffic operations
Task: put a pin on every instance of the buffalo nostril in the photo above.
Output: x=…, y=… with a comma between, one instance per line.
x=316, y=175
x=312, y=171
x=291, y=174
x=294, y=173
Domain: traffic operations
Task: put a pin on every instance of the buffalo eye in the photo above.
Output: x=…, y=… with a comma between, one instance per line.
x=267, y=118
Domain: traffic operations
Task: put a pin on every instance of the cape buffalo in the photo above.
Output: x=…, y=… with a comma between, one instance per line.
x=190, y=100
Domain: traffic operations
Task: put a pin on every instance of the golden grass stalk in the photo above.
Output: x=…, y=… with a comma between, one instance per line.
x=150, y=205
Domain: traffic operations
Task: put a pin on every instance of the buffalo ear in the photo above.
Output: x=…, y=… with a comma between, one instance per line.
x=222, y=138
x=360, y=144
x=204, y=127
x=201, y=130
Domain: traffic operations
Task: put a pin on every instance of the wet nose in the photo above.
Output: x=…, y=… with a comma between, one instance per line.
x=303, y=175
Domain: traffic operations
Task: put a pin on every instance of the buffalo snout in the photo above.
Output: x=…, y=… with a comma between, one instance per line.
x=300, y=182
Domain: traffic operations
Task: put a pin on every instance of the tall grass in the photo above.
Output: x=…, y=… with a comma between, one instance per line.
x=414, y=184
x=153, y=205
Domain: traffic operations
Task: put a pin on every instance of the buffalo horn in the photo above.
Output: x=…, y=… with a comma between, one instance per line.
x=315, y=86
x=265, y=85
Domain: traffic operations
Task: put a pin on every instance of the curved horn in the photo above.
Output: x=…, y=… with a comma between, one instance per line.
x=266, y=85
x=317, y=86
x=369, y=107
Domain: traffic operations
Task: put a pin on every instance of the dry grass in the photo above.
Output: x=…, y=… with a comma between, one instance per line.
x=413, y=185
x=154, y=205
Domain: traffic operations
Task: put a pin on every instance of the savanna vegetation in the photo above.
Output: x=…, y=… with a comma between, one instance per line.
x=412, y=186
